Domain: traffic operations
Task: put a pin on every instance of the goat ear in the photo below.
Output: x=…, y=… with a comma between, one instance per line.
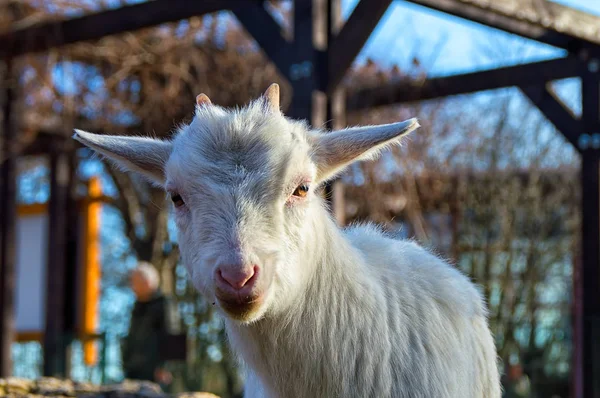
x=335, y=150
x=144, y=155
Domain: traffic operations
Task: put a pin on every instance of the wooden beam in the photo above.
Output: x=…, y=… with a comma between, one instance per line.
x=351, y=39
x=57, y=271
x=336, y=100
x=545, y=21
x=73, y=236
x=334, y=189
x=412, y=91
x=555, y=111
x=589, y=363
x=8, y=193
x=95, y=26
x=590, y=101
x=590, y=186
x=304, y=68
x=267, y=33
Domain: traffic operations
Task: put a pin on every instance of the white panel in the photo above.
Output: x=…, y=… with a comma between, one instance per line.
x=31, y=272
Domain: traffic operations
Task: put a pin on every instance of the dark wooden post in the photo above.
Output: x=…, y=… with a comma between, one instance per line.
x=57, y=269
x=308, y=75
x=316, y=24
x=336, y=119
x=73, y=265
x=339, y=44
x=584, y=134
x=7, y=227
x=302, y=72
x=316, y=60
x=336, y=103
x=589, y=144
x=590, y=220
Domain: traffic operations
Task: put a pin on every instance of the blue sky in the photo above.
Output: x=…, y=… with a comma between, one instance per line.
x=450, y=44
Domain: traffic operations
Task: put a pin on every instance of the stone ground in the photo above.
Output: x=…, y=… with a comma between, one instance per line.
x=49, y=387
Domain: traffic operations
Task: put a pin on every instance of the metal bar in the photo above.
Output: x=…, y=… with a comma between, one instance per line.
x=95, y=26
x=555, y=111
x=590, y=239
x=7, y=227
x=533, y=73
x=352, y=38
x=488, y=16
x=267, y=33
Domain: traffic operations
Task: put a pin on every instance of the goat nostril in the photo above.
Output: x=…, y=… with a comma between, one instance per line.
x=237, y=279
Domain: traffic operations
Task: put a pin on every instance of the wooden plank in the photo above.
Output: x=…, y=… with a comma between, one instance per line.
x=95, y=26
x=543, y=21
x=8, y=189
x=26, y=337
x=352, y=38
x=412, y=91
x=555, y=111
x=267, y=33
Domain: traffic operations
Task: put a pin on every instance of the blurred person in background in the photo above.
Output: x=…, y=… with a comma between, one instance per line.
x=153, y=319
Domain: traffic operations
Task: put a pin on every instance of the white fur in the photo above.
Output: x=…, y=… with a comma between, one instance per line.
x=346, y=313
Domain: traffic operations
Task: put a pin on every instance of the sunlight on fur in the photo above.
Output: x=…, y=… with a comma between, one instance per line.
x=311, y=310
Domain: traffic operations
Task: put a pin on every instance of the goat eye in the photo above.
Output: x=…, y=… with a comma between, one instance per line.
x=177, y=200
x=301, y=191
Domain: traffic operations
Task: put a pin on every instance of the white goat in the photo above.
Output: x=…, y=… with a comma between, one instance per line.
x=311, y=310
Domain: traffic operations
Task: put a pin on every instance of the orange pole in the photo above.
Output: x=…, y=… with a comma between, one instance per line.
x=92, y=270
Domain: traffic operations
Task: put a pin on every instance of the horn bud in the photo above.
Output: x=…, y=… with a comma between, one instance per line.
x=271, y=95
x=202, y=100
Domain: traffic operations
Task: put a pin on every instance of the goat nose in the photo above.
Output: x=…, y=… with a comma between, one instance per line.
x=237, y=277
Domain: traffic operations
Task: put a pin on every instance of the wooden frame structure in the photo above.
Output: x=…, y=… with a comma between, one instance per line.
x=87, y=291
x=315, y=61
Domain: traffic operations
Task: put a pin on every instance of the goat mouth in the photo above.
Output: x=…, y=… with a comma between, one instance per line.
x=241, y=307
x=240, y=301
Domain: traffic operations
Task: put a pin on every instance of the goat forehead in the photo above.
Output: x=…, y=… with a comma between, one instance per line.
x=231, y=170
x=232, y=148
x=239, y=136
x=239, y=186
